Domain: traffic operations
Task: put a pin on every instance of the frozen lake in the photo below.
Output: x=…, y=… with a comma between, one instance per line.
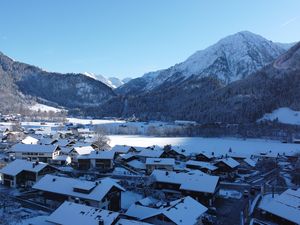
x=217, y=145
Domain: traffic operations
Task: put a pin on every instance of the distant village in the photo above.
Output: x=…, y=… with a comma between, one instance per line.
x=67, y=173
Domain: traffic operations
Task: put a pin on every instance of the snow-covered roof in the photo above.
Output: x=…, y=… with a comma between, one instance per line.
x=64, y=142
x=33, y=148
x=286, y=205
x=142, y=212
x=205, y=165
x=131, y=222
x=150, y=153
x=30, y=140
x=185, y=211
x=98, y=155
x=84, y=150
x=46, y=141
x=128, y=155
x=229, y=162
x=70, y=213
x=65, y=150
x=250, y=162
x=160, y=161
x=65, y=186
x=192, y=181
x=147, y=201
x=19, y=165
x=102, y=155
x=122, y=149
x=137, y=164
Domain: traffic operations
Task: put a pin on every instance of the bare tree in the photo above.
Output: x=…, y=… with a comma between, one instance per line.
x=101, y=140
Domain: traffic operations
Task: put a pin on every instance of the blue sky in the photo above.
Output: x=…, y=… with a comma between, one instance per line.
x=130, y=37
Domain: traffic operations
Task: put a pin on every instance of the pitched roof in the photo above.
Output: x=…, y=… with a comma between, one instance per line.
x=84, y=150
x=286, y=205
x=182, y=211
x=33, y=148
x=192, y=181
x=131, y=222
x=150, y=153
x=160, y=161
x=30, y=140
x=19, y=165
x=229, y=162
x=201, y=164
x=65, y=186
x=98, y=155
x=70, y=213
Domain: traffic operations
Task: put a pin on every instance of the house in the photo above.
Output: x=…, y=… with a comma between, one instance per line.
x=185, y=211
x=205, y=156
x=70, y=213
x=174, y=152
x=104, y=194
x=41, y=153
x=205, y=167
x=227, y=165
x=102, y=160
x=149, y=153
x=160, y=164
x=137, y=165
x=61, y=160
x=201, y=186
x=24, y=173
x=284, y=208
x=80, y=151
x=30, y=140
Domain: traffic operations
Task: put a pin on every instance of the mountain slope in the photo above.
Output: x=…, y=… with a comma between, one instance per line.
x=208, y=99
x=232, y=58
x=112, y=82
x=67, y=90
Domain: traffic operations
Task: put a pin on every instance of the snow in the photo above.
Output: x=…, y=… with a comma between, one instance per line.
x=64, y=186
x=226, y=193
x=284, y=115
x=84, y=150
x=230, y=162
x=136, y=164
x=70, y=213
x=131, y=222
x=160, y=161
x=128, y=198
x=44, y=108
x=192, y=181
x=33, y=148
x=30, y=140
x=94, y=121
x=219, y=146
x=240, y=51
x=286, y=205
x=201, y=164
x=182, y=211
x=18, y=165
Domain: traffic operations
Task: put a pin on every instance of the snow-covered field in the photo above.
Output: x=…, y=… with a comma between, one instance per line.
x=284, y=115
x=217, y=145
x=44, y=108
x=93, y=121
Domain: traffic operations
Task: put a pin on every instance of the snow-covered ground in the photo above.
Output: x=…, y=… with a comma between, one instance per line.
x=217, y=145
x=44, y=108
x=94, y=122
x=284, y=115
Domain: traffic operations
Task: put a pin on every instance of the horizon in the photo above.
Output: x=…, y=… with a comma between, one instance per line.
x=58, y=40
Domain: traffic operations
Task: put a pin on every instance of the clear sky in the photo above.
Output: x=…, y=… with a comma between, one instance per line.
x=130, y=37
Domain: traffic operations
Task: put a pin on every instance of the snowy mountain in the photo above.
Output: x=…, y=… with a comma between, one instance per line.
x=112, y=82
x=208, y=99
x=232, y=58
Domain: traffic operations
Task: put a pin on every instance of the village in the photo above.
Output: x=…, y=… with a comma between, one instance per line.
x=68, y=173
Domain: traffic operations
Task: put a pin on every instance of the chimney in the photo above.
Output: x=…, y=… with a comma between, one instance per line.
x=54, y=179
x=101, y=222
